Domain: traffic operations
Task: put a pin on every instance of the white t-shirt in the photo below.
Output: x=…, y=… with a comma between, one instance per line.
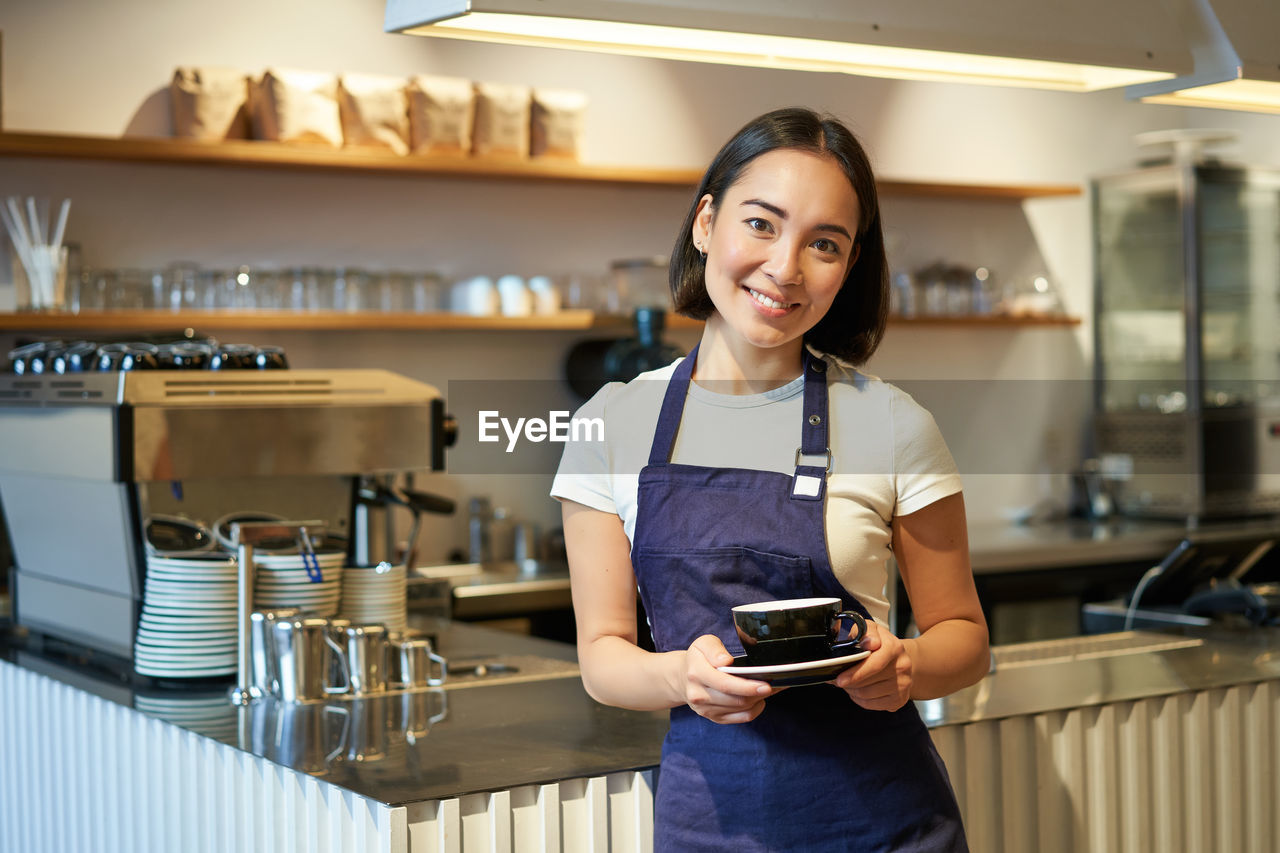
x=888, y=457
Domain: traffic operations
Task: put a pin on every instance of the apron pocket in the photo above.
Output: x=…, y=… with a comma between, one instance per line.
x=688, y=593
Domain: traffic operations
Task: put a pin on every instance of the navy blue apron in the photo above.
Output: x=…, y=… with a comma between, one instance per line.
x=814, y=771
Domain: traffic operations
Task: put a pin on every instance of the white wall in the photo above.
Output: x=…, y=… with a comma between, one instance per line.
x=72, y=67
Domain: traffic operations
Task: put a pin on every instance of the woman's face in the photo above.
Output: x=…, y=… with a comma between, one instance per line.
x=778, y=245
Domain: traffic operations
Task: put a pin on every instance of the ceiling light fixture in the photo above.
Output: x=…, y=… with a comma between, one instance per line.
x=1110, y=45
x=1235, y=47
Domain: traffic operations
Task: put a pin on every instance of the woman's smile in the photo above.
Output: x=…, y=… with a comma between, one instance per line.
x=770, y=307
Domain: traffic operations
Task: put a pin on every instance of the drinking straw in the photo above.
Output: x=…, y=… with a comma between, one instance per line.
x=9, y=227
x=41, y=287
x=12, y=203
x=18, y=237
x=37, y=231
x=61, y=227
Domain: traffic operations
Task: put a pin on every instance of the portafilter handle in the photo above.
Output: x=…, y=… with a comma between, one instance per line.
x=245, y=535
x=419, y=503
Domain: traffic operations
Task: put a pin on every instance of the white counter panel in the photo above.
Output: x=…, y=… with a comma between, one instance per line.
x=87, y=774
x=1196, y=771
x=84, y=773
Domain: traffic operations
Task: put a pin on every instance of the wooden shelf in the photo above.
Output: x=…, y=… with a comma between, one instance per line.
x=328, y=321
x=999, y=321
x=989, y=320
x=272, y=155
x=993, y=192
x=288, y=321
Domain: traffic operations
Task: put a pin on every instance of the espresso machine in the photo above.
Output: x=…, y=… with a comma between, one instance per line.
x=87, y=459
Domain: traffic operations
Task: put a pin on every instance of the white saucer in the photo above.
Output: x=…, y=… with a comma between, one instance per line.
x=310, y=588
x=162, y=621
x=182, y=670
x=795, y=674
x=212, y=563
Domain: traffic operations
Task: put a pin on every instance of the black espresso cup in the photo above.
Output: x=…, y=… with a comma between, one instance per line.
x=796, y=630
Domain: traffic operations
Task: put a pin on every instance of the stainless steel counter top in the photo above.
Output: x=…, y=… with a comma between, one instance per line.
x=493, y=590
x=1001, y=547
x=1075, y=672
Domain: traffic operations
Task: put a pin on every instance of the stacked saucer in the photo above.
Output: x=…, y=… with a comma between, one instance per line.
x=188, y=623
x=282, y=580
x=375, y=594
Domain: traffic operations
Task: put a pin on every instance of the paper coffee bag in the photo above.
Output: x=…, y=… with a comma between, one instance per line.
x=296, y=106
x=209, y=103
x=374, y=111
x=502, y=120
x=441, y=114
x=558, y=117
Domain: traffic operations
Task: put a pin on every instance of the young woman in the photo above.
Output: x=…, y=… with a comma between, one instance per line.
x=764, y=466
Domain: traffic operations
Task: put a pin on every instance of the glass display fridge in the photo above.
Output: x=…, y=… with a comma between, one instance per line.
x=1187, y=338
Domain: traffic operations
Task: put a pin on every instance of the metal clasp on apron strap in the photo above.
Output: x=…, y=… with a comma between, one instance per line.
x=800, y=452
x=809, y=482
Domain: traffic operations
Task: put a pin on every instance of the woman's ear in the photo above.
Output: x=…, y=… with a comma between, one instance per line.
x=702, y=219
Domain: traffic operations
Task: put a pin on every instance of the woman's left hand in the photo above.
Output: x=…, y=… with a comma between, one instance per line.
x=882, y=680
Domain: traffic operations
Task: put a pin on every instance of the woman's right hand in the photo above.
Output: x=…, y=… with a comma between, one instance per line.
x=716, y=695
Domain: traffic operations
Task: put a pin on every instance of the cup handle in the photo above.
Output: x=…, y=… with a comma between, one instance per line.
x=444, y=707
x=859, y=621
x=346, y=669
x=436, y=681
x=342, y=738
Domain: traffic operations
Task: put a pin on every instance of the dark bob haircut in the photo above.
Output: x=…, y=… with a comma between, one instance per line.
x=854, y=325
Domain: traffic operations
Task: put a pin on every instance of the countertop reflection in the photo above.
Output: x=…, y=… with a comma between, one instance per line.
x=412, y=746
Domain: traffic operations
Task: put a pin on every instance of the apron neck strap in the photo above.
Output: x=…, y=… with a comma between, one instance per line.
x=664, y=437
x=813, y=429
x=813, y=437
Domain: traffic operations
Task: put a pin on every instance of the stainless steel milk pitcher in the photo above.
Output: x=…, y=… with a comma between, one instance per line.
x=264, y=674
x=418, y=663
x=306, y=654
x=368, y=656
